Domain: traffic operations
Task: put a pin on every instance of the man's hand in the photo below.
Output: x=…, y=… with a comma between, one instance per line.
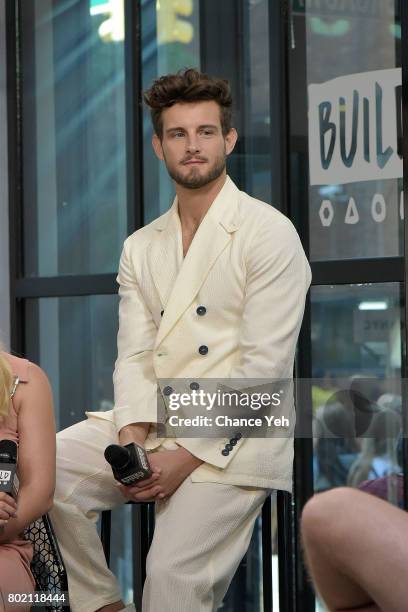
x=170, y=468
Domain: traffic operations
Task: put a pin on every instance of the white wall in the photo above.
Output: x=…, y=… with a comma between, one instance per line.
x=4, y=225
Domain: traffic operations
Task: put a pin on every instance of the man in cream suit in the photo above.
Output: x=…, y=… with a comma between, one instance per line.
x=214, y=288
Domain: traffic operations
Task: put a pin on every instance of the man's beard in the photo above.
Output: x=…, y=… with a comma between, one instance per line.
x=195, y=180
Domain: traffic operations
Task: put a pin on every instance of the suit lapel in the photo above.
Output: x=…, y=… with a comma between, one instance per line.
x=165, y=253
x=178, y=281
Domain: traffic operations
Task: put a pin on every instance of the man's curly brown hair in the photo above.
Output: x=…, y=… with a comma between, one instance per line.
x=188, y=85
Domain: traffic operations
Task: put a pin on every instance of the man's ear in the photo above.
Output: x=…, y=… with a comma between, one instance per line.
x=157, y=146
x=230, y=140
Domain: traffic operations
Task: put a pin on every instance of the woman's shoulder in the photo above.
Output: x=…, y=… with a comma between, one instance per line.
x=36, y=384
x=25, y=370
x=20, y=367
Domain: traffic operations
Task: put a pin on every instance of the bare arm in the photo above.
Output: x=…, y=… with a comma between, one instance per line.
x=36, y=454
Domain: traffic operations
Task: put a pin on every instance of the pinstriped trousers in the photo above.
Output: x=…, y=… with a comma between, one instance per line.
x=201, y=532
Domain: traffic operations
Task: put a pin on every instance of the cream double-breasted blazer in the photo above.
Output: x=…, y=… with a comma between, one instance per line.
x=247, y=267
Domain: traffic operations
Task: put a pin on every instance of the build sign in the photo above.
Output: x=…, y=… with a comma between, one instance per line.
x=355, y=128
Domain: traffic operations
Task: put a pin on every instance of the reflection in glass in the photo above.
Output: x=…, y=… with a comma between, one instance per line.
x=356, y=330
x=74, y=340
x=122, y=550
x=74, y=138
x=357, y=434
x=170, y=42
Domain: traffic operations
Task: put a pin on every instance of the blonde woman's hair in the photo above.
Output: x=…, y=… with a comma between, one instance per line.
x=6, y=383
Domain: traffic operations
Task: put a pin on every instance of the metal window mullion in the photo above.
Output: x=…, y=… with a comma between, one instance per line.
x=134, y=114
x=15, y=185
x=304, y=599
x=66, y=286
x=141, y=517
x=404, y=62
x=353, y=271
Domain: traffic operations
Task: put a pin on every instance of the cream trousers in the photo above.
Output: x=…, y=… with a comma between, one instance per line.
x=201, y=532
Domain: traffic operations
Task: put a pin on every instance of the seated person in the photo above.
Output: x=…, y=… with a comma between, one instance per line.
x=336, y=445
x=378, y=457
x=356, y=549
x=26, y=416
x=377, y=470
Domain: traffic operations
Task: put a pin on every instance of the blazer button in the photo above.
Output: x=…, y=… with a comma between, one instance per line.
x=233, y=441
x=194, y=386
x=238, y=436
x=161, y=313
x=168, y=390
x=229, y=447
x=225, y=452
x=203, y=350
x=201, y=310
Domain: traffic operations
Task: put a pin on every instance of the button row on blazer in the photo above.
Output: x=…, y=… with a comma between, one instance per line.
x=229, y=447
x=194, y=386
x=201, y=310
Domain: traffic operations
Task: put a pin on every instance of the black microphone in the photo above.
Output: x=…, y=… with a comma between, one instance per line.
x=8, y=468
x=129, y=463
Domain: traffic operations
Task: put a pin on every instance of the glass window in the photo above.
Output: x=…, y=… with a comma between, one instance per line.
x=74, y=137
x=356, y=329
x=122, y=550
x=74, y=340
x=353, y=73
x=357, y=396
x=170, y=42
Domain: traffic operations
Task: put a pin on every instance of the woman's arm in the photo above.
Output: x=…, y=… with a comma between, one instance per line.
x=36, y=453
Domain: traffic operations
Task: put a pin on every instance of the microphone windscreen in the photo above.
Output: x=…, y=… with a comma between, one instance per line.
x=117, y=456
x=8, y=451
